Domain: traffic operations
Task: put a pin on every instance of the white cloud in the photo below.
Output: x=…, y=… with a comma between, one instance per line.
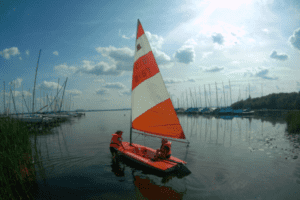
x=213, y=69
x=99, y=69
x=65, y=69
x=116, y=85
x=206, y=54
x=277, y=56
x=218, y=38
x=74, y=92
x=49, y=86
x=266, y=30
x=154, y=40
x=160, y=57
x=260, y=72
x=295, y=39
x=190, y=42
x=223, y=34
x=55, y=53
x=17, y=82
x=123, y=36
x=6, y=53
x=176, y=80
x=26, y=93
x=122, y=58
x=27, y=52
x=235, y=62
x=99, y=81
x=186, y=54
x=263, y=74
x=102, y=91
x=126, y=92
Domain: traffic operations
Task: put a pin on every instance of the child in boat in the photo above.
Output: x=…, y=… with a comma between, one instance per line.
x=116, y=141
x=165, y=150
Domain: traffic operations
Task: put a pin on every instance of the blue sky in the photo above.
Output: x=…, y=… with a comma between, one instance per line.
x=254, y=42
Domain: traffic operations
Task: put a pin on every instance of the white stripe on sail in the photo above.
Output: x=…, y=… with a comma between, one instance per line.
x=145, y=47
x=148, y=94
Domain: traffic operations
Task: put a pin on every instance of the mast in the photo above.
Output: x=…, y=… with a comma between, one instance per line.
x=47, y=103
x=25, y=103
x=240, y=93
x=249, y=90
x=192, y=101
x=63, y=95
x=209, y=96
x=9, y=99
x=217, y=95
x=35, y=81
x=196, y=98
x=200, y=97
x=22, y=102
x=13, y=101
x=224, y=94
x=14, y=94
x=205, y=96
x=40, y=98
x=29, y=102
x=230, y=93
x=4, y=96
x=55, y=99
x=187, y=102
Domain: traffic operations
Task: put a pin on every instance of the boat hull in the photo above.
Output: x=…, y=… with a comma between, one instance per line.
x=143, y=155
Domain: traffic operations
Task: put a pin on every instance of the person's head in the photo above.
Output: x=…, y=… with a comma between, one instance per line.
x=119, y=132
x=164, y=140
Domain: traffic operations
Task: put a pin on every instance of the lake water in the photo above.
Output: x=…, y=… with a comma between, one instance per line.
x=239, y=158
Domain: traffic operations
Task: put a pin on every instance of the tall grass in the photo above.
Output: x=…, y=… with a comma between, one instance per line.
x=17, y=173
x=293, y=122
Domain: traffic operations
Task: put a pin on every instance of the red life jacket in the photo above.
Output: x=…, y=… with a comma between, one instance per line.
x=115, y=142
x=166, y=151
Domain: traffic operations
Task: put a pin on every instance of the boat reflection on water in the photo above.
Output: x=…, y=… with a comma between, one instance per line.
x=146, y=188
x=149, y=190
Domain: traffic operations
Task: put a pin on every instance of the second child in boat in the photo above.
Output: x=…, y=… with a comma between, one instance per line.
x=164, y=152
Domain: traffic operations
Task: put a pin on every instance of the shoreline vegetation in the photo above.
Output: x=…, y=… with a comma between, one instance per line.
x=17, y=168
x=280, y=101
x=19, y=158
x=293, y=122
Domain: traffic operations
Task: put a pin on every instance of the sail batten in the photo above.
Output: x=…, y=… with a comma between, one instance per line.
x=152, y=108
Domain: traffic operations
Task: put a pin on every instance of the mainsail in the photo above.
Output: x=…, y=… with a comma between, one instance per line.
x=152, y=108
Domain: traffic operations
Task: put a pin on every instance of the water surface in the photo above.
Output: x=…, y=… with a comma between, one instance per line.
x=239, y=158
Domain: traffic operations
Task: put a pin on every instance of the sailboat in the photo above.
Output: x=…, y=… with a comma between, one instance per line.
x=152, y=111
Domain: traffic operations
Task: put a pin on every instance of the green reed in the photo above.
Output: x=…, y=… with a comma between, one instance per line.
x=293, y=122
x=17, y=172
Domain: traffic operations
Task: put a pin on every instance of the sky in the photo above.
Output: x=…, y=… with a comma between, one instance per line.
x=196, y=44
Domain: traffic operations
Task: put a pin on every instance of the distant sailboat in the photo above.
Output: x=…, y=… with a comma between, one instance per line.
x=152, y=111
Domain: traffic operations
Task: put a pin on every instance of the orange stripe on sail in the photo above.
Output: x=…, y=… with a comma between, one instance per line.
x=145, y=67
x=140, y=30
x=160, y=120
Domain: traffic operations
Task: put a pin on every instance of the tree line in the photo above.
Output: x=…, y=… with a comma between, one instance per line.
x=285, y=101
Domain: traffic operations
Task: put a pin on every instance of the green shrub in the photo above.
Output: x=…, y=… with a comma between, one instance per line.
x=293, y=122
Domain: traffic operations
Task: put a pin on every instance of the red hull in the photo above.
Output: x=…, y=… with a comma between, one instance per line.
x=143, y=155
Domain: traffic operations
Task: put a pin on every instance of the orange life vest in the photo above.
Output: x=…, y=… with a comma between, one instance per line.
x=164, y=150
x=115, y=142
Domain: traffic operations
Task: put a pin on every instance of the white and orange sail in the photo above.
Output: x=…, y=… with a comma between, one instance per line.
x=152, y=108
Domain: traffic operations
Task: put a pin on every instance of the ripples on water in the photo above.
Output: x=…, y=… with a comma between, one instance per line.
x=239, y=158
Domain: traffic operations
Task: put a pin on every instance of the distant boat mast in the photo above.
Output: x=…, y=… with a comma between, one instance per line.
x=35, y=81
